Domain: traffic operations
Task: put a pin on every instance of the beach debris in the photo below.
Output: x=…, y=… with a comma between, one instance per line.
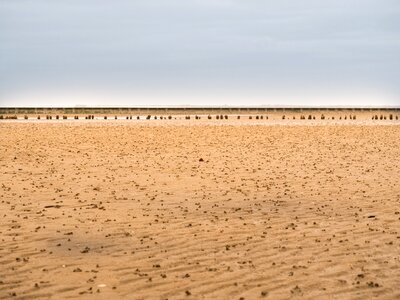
x=86, y=250
x=52, y=206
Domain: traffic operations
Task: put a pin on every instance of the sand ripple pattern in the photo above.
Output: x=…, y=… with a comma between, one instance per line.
x=105, y=211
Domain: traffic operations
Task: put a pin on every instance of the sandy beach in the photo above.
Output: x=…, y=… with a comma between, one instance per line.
x=186, y=210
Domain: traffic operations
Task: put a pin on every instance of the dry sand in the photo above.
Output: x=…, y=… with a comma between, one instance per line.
x=134, y=210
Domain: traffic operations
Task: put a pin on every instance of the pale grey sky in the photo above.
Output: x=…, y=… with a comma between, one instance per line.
x=199, y=52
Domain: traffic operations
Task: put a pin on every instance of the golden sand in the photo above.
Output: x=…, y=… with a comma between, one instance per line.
x=135, y=210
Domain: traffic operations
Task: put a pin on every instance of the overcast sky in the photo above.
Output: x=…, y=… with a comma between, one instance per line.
x=199, y=52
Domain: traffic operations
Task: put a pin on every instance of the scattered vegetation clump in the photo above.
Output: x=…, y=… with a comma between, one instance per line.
x=209, y=117
x=187, y=117
x=26, y=117
x=226, y=117
x=309, y=117
x=217, y=117
x=261, y=117
x=169, y=117
x=148, y=117
x=38, y=117
x=390, y=117
x=322, y=117
x=65, y=117
x=57, y=117
x=397, y=117
x=138, y=117
x=238, y=117
x=250, y=117
x=1, y=117
x=105, y=117
x=283, y=117
x=257, y=117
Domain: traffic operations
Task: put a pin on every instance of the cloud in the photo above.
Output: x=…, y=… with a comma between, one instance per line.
x=257, y=49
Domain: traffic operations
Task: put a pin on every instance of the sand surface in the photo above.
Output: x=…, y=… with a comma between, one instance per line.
x=134, y=210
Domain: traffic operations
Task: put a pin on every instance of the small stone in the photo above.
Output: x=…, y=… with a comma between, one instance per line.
x=264, y=293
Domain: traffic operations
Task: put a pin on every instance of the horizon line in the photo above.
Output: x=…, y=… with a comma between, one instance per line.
x=206, y=107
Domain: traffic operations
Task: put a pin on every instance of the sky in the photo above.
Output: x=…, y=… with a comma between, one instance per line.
x=200, y=52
